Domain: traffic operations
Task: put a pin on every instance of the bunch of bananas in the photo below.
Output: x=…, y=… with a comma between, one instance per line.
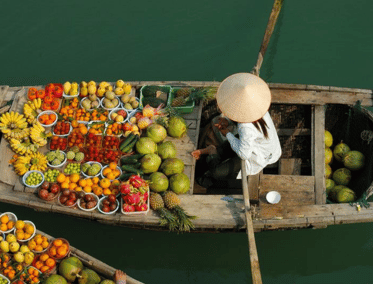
x=34, y=161
x=14, y=125
x=23, y=146
x=38, y=134
x=31, y=110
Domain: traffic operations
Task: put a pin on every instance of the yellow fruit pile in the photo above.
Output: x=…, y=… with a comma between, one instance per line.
x=5, y=223
x=23, y=230
x=111, y=172
x=38, y=243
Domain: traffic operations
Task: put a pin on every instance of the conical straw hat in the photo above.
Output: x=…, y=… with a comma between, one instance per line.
x=243, y=97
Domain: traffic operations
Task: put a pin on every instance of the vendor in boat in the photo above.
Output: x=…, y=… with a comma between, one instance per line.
x=244, y=99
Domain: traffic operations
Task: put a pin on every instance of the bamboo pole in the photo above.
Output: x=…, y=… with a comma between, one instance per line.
x=267, y=35
x=254, y=259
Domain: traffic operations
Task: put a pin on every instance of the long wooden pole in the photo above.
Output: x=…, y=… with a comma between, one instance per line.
x=267, y=35
x=254, y=259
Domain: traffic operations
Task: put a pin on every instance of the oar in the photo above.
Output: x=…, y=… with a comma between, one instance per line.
x=254, y=260
x=267, y=35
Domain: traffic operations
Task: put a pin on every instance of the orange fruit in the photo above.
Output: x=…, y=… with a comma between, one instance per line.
x=44, y=268
x=65, y=185
x=57, y=242
x=38, y=248
x=39, y=264
x=106, y=171
x=31, y=244
x=72, y=186
x=87, y=189
x=50, y=262
x=4, y=219
x=61, y=251
x=111, y=176
x=105, y=183
x=112, y=166
x=107, y=191
x=89, y=182
x=31, y=270
x=3, y=227
x=61, y=178
x=67, y=180
x=43, y=257
x=38, y=240
x=97, y=190
x=74, y=177
x=95, y=180
x=35, y=273
x=45, y=244
x=10, y=225
x=52, y=251
x=78, y=188
x=82, y=182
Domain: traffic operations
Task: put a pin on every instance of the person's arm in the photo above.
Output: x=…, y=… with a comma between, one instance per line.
x=243, y=146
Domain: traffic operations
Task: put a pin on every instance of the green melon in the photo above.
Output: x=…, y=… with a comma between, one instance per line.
x=70, y=267
x=55, y=279
x=328, y=155
x=88, y=276
x=354, y=160
x=328, y=139
x=342, y=176
x=345, y=195
x=158, y=182
x=340, y=150
x=334, y=191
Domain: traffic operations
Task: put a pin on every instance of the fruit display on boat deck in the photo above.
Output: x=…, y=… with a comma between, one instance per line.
x=346, y=164
x=95, y=149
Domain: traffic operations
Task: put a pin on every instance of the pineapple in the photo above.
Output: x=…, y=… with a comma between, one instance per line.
x=183, y=92
x=172, y=202
x=157, y=204
x=184, y=95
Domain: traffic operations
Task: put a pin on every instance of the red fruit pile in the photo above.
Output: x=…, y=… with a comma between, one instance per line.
x=110, y=142
x=68, y=198
x=75, y=139
x=88, y=201
x=135, y=194
x=93, y=140
x=109, y=204
x=48, y=191
x=58, y=143
x=61, y=128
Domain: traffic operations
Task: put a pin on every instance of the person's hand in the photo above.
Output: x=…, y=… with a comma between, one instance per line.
x=196, y=154
x=224, y=131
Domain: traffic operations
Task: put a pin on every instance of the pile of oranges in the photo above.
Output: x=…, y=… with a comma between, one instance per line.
x=111, y=172
x=97, y=128
x=5, y=223
x=68, y=111
x=59, y=248
x=38, y=243
x=4, y=260
x=30, y=276
x=75, y=182
x=114, y=129
x=11, y=271
x=44, y=263
x=47, y=119
x=24, y=230
x=80, y=128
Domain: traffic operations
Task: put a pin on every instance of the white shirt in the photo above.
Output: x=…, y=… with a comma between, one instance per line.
x=254, y=148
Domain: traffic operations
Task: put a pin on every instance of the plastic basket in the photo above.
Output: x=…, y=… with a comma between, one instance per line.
x=63, y=135
x=106, y=213
x=116, y=110
x=165, y=88
x=60, y=165
x=27, y=174
x=48, y=112
x=33, y=234
x=135, y=213
x=3, y=277
x=118, y=168
x=119, y=105
x=91, y=163
x=98, y=100
x=91, y=209
x=187, y=108
x=50, y=240
x=12, y=217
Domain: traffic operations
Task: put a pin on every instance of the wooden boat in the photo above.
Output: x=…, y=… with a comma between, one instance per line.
x=103, y=270
x=299, y=180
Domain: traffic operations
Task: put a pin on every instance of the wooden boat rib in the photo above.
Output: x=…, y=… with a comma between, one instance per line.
x=303, y=203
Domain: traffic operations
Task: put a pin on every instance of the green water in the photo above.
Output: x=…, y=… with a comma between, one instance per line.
x=315, y=42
